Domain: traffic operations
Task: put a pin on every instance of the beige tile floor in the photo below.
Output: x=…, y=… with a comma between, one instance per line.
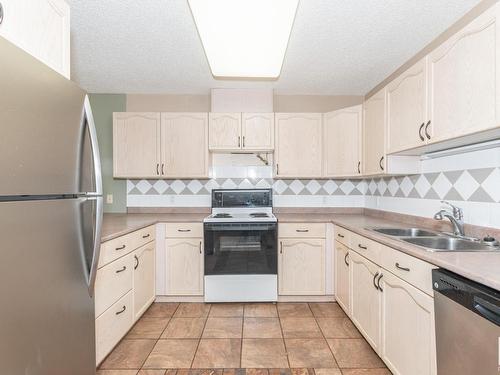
x=243, y=339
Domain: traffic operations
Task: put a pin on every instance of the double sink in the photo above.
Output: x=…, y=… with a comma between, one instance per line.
x=436, y=241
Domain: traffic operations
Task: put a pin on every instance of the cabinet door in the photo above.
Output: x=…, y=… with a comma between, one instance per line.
x=374, y=134
x=342, y=142
x=257, y=131
x=185, y=266
x=301, y=267
x=298, y=145
x=136, y=144
x=224, y=131
x=408, y=338
x=407, y=109
x=184, y=145
x=342, y=275
x=365, y=298
x=41, y=28
x=144, y=278
x=464, y=80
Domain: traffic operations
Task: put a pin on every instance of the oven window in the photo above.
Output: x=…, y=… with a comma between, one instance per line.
x=240, y=248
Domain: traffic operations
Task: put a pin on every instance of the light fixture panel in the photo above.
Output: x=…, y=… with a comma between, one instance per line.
x=244, y=38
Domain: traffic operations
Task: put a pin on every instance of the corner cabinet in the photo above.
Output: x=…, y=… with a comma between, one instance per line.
x=160, y=145
x=342, y=140
x=144, y=278
x=298, y=151
x=464, y=79
x=374, y=134
x=41, y=28
x=342, y=279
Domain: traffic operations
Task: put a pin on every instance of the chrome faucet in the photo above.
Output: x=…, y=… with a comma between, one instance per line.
x=456, y=216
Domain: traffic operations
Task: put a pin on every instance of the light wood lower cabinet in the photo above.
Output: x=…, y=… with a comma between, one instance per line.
x=408, y=344
x=301, y=266
x=366, y=299
x=184, y=266
x=342, y=275
x=144, y=278
x=374, y=134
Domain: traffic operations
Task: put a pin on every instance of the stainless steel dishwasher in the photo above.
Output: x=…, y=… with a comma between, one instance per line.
x=467, y=318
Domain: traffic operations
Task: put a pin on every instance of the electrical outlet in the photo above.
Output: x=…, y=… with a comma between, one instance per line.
x=109, y=199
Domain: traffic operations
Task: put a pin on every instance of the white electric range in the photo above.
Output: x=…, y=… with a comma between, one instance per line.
x=241, y=247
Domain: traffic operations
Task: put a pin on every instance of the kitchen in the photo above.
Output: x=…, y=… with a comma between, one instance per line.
x=184, y=198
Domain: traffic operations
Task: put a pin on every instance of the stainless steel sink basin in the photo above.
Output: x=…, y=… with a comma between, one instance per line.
x=449, y=244
x=406, y=232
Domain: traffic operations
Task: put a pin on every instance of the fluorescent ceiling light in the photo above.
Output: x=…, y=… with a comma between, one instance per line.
x=244, y=38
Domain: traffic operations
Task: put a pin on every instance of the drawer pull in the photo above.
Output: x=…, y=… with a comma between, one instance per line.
x=302, y=230
x=120, y=247
x=362, y=247
x=340, y=235
x=345, y=259
x=146, y=235
x=374, y=283
x=123, y=269
x=183, y=230
x=136, y=262
x=121, y=311
x=402, y=268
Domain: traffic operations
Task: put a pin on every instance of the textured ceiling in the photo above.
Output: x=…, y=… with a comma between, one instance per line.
x=336, y=47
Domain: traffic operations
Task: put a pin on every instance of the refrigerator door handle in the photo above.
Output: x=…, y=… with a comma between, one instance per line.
x=88, y=117
x=96, y=243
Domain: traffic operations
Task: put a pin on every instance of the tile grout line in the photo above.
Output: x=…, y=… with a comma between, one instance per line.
x=199, y=340
x=283, y=337
x=324, y=338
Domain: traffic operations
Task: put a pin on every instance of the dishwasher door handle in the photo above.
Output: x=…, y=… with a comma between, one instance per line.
x=487, y=310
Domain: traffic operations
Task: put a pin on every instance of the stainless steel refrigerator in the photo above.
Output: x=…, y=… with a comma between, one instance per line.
x=50, y=219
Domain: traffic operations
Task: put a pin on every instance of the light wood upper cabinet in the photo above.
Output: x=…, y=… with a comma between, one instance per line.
x=301, y=266
x=225, y=131
x=464, y=79
x=184, y=266
x=184, y=145
x=342, y=142
x=408, y=339
x=144, y=278
x=136, y=144
x=41, y=28
x=257, y=131
x=366, y=300
x=298, y=151
x=407, y=120
x=342, y=276
x=374, y=134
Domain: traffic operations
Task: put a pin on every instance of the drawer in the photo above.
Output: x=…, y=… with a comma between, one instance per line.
x=112, y=282
x=302, y=230
x=343, y=236
x=413, y=270
x=111, y=326
x=184, y=230
x=114, y=249
x=366, y=247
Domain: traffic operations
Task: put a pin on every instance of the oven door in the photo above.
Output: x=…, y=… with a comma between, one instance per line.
x=241, y=248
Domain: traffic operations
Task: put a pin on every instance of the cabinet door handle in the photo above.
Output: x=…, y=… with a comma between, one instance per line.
x=420, y=132
x=243, y=141
x=158, y=169
x=136, y=262
x=121, y=270
x=120, y=247
x=162, y=171
x=1, y=13
x=281, y=247
x=146, y=235
x=378, y=282
x=402, y=268
x=345, y=259
x=183, y=230
x=239, y=141
x=359, y=167
x=380, y=163
x=426, y=128
x=374, y=282
x=277, y=169
x=302, y=230
x=340, y=235
x=121, y=311
x=362, y=247
x=200, y=247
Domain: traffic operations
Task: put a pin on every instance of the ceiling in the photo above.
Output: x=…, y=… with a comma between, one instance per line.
x=337, y=47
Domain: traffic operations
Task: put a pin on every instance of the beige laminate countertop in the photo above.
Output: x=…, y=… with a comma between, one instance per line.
x=482, y=267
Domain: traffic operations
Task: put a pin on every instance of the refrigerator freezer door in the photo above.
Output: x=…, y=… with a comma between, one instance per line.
x=46, y=314
x=41, y=117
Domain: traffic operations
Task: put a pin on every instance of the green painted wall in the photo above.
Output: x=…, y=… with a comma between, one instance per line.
x=103, y=106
